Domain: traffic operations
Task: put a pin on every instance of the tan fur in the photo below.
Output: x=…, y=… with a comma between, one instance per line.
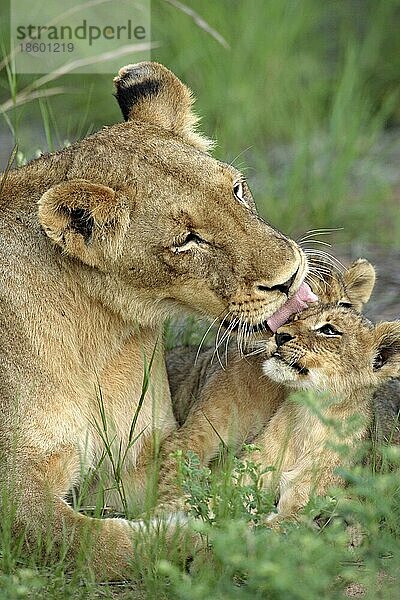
x=236, y=402
x=99, y=243
x=190, y=371
x=352, y=289
x=343, y=370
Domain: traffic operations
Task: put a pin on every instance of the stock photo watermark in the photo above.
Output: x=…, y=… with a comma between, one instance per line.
x=87, y=37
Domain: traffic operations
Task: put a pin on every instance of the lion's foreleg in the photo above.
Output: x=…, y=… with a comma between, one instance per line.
x=32, y=498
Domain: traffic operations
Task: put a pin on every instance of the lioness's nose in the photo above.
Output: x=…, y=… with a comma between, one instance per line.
x=282, y=338
x=280, y=287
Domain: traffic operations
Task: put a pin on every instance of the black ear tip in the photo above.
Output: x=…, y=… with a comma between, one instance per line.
x=137, y=81
x=128, y=95
x=128, y=74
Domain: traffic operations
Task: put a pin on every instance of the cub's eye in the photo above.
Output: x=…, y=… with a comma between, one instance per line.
x=191, y=239
x=345, y=304
x=328, y=329
x=238, y=192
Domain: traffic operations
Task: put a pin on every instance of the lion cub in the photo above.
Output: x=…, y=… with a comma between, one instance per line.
x=343, y=358
x=236, y=403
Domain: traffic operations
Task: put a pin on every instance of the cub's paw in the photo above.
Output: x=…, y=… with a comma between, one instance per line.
x=277, y=520
x=273, y=521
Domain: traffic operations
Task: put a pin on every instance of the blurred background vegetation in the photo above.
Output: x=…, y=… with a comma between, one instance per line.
x=303, y=97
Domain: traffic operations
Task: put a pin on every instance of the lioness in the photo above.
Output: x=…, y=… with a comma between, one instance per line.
x=99, y=243
x=234, y=403
x=343, y=357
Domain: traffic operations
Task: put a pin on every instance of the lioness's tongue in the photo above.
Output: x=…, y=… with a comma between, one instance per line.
x=295, y=304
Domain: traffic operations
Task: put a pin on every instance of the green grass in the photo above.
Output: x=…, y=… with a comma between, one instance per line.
x=240, y=557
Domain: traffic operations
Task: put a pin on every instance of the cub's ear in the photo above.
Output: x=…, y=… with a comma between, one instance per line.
x=88, y=221
x=148, y=91
x=359, y=281
x=387, y=349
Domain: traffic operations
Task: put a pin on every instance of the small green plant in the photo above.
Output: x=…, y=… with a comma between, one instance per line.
x=306, y=560
x=228, y=490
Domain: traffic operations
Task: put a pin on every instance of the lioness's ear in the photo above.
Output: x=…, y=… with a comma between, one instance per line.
x=148, y=91
x=359, y=281
x=387, y=349
x=88, y=221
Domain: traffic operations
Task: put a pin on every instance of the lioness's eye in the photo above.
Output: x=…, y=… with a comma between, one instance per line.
x=238, y=192
x=328, y=329
x=188, y=242
x=345, y=304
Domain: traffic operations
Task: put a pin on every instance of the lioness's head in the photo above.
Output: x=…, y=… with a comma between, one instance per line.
x=334, y=348
x=146, y=205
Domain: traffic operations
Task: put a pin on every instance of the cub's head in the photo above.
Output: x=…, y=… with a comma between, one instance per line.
x=352, y=289
x=170, y=227
x=334, y=348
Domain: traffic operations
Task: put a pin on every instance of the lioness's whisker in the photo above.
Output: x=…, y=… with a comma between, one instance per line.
x=320, y=265
x=320, y=283
x=239, y=337
x=318, y=274
x=315, y=272
x=313, y=232
x=246, y=336
x=230, y=330
x=204, y=337
x=329, y=258
x=320, y=268
x=226, y=336
x=311, y=241
x=238, y=155
x=217, y=342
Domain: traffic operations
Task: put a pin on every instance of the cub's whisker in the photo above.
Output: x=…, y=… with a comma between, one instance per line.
x=256, y=351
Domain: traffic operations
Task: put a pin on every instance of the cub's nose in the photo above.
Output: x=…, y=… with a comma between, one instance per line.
x=282, y=338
